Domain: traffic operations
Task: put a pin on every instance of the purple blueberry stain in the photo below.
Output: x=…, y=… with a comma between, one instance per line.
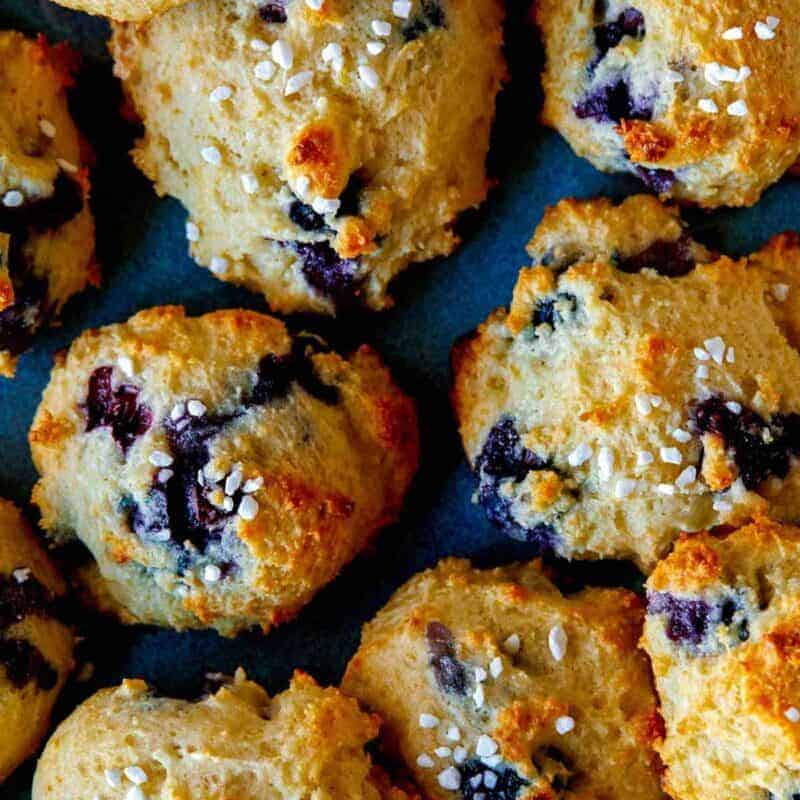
x=760, y=448
x=659, y=181
x=608, y=35
x=273, y=13
x=30, y=310
x=430, y=16
x=554, y=311
x=451, y=674
x=503, y=458
x=613, y=101
x=669, y=258
x=22, y=597
x=304, y=216
x=481, y=782
x=690, y=621
x=116, y=408
x=327, y=272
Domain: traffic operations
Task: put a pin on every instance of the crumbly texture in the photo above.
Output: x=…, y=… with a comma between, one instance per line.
x=237, y=743
x=637, y=393
x=475, y=673
x=46, y=228
x=35, y=646
x=723, y=634
x=322, y=195
x=226, y=470
x=122, y=10
x=696, y=97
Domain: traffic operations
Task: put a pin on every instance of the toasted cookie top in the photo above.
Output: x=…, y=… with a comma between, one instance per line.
x=227, y=469
x=326, y=145
x=494, y=685
x=723, y=634
x=696, y=98
x=632, y=392
x=238, y=742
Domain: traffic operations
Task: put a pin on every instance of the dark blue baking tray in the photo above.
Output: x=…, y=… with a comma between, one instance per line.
x=141, y=244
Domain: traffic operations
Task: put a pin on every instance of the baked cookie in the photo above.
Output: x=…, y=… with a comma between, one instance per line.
x=696, y=98
x=227, y=469
x=46, y=228
x=237, y=743
x=35, y=646
x=494, y=686
x=123, y=10
x=633, y=391
x=723, y=633
x=326, y=145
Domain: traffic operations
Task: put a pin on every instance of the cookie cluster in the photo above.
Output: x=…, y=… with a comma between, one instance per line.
x=638, y=399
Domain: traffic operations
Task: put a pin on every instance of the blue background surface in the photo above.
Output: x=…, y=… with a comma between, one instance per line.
x=142, y=249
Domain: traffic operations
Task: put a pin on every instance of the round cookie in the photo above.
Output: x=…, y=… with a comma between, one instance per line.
x=123, y=10
x=237, y=743
x=227, y=469
x=46, y=227
x=696, y=98
x=633, y=392
x=723, y=634
x=35, y=646
x=494, y=686
x=321, y=150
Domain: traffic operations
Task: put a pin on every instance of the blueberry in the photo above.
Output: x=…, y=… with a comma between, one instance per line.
x=20, y=599
x=613, y=102
x=20, y=321
x=24, y=663
x=46, y=213
x=305, y=217
x=659, y=181
x=117, y=409
x=277, y=373
x=326, y=272
x=760, y=448
x=608, y=35
x=550, y=311
x=350, y=198
x=451, y=674
x=671, y=259
x=503, y=455
x=555, y=767
x=505, y=783
x=430, y=16
x=687, y=620
x=272, y=12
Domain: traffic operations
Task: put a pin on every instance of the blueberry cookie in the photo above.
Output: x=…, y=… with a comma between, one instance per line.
x=723, y=633
x=494, y=686
x=695, y=98
x=326, y=145
x=634, y=391
x=35, y=645
x=130, y=743
x=226, y=470
x=46, y=228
